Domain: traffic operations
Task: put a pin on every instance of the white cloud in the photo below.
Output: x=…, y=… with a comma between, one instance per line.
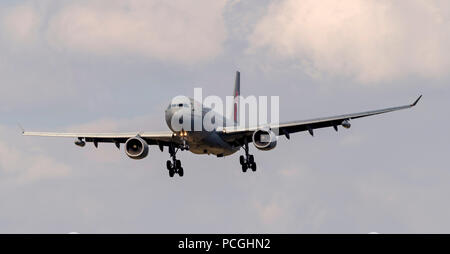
x=42, y=167
x=101, y=125
x=180, y=31
x=22, y=166
x=20, y=23
x=369, y=41
x=270, y=213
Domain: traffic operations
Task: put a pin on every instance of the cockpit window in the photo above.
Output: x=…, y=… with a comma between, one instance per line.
x=180, y=105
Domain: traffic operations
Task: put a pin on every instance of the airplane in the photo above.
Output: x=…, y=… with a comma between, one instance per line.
x=223, y=142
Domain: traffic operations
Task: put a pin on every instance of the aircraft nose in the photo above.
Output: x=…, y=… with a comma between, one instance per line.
x=170, y=113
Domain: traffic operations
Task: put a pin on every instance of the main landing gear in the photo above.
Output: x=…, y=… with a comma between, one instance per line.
x=174, y=166
x=247, y=161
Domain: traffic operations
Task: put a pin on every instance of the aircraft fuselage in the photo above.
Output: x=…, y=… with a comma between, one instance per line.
x=204, y=141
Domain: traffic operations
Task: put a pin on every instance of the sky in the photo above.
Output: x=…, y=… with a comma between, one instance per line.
x=109, y=65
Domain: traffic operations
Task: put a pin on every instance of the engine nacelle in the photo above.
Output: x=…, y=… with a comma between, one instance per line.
x=136, y=148
x=346, y=124
x=264, y=139
x=80, y=143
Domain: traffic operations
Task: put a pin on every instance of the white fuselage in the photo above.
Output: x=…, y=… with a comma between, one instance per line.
x=200, y=141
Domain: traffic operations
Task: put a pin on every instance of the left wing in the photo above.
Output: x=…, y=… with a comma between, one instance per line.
x=152, y=138
x=232, y=133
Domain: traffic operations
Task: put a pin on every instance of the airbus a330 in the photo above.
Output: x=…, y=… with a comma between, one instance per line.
x=219, y=142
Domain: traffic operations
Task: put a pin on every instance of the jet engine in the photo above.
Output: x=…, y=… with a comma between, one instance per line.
x=136, y=148
x=264, y=139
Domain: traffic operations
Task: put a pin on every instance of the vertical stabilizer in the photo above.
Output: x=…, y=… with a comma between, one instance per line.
x=236, y=94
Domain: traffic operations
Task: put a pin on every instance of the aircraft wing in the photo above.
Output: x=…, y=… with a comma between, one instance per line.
x=152, y=138
x=233, y=133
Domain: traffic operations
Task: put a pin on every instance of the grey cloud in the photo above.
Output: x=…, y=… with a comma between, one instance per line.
x=92, y=38
x=368, y=41
x=175, y=31
x=23, y=165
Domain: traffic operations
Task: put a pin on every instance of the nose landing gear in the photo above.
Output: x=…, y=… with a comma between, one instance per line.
x=247, y=161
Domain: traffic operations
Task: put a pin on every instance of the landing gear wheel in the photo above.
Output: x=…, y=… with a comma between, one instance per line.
x=247, y=161
x=244, y=168
x=251, y=159
x=242, y=159
x=253, y=166
x=174, y=165
x=180, y=172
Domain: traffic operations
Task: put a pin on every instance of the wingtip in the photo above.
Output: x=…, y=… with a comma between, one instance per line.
x=417, y=100
x=21, y=128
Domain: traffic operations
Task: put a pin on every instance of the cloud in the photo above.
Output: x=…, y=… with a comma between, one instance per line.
x=20, y=23
x=270, y=213
x=21, y=166
x=180, y=31
x=42, y=167
x=368, y=41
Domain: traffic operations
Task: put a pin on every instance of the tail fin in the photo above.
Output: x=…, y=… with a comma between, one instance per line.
x=236, y=94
